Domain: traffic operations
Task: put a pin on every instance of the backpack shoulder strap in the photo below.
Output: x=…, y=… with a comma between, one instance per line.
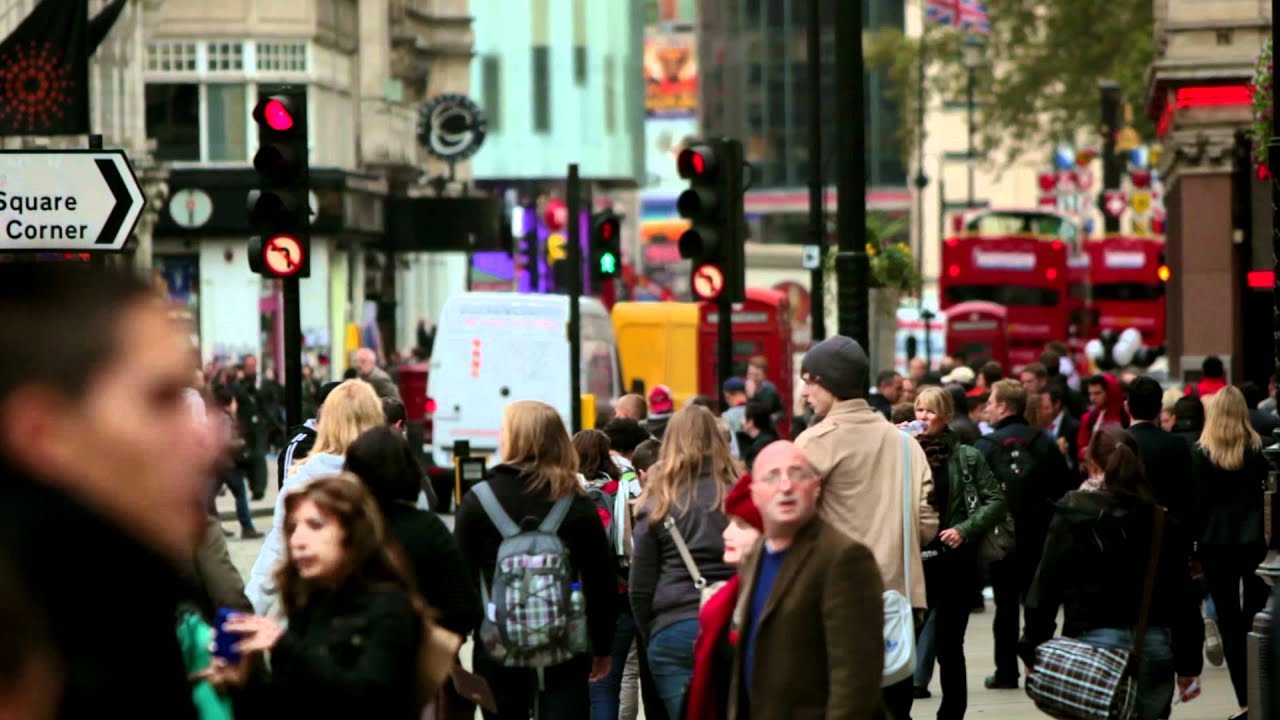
x=557, y=515
x=499, y=517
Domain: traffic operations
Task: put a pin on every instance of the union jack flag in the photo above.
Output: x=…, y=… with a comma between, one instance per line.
x=965, y=15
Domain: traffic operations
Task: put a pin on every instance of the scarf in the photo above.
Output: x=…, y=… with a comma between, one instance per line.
x=937, y=448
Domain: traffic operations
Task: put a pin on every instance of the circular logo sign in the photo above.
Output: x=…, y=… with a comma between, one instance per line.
x=282, y=255
x=708, y=282
x=451, y=127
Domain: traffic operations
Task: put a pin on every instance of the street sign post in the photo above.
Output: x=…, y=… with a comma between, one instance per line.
x=67, y=200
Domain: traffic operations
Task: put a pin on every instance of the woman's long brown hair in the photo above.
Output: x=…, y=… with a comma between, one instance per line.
x=691, y=447
x=369, y=561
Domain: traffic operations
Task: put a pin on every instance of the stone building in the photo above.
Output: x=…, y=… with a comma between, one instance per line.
x=1218, y=223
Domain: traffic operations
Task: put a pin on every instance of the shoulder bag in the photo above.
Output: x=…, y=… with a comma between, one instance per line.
x=706, y=592
x=1076, y=681
x=899, y=618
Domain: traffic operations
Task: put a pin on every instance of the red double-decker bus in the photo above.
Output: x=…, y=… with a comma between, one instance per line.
x=1127, y=277
x=1017, y=259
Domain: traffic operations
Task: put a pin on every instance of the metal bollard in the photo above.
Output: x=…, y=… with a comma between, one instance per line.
x=1258, y=647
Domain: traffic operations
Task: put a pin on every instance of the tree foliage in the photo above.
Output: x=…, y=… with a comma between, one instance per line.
x=1038, y=83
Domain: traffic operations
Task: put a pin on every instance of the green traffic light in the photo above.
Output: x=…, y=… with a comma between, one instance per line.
x=608, y=263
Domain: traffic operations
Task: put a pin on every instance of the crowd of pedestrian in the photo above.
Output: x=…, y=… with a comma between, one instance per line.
x=687, y=562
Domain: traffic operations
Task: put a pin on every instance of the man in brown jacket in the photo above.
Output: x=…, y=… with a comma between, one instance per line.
x=860, y=457
x=811, y=600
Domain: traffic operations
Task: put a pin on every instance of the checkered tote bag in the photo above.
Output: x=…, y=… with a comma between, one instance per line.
x=1076, y=681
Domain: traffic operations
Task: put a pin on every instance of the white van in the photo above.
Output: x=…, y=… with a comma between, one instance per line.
x=493, y=348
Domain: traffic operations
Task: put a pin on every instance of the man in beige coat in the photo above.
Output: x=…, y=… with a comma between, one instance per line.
x=860, y=458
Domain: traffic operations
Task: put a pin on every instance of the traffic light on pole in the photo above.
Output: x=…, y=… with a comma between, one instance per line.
x=606, y=246
x=713, y=204
x=280, y=209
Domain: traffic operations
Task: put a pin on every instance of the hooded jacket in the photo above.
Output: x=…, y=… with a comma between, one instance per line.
x=1111, y=414
x=1094, y=565
x=261, y=590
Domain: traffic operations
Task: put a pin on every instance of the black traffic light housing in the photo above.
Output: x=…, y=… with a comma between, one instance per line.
x=713, y=204
x=280, y=209
x=606, y=246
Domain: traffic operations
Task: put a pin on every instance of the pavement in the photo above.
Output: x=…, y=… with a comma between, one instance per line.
x=1216, y=703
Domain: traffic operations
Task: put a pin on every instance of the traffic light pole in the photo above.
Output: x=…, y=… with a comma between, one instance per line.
x=851, y=182
x=292, y=352
x=574, y=200
x=817, y=221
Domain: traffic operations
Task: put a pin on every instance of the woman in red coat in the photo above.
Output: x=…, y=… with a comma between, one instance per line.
x=708, y=694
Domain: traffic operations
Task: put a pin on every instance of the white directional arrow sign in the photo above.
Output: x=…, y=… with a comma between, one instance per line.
x=70, y=200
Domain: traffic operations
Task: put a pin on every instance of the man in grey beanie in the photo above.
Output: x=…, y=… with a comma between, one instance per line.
x=860, y=457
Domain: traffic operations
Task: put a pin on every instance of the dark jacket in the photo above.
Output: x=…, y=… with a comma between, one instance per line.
x=89, y=576
x=215, y=581
x=968, y=468
x=301, y=439
x=438, y=565
x=1167, y=460
x=756, y=444
x=581, y=532
x=819, y=643
x=1094, y=565
x=349, y=654
x=966, y=429
x=662, y=591
x=1230, y=502
x=1068, y=431
x=1050, y=478
x=881, y=404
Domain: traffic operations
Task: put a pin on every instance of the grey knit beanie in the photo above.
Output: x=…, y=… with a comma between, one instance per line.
x=840, y=365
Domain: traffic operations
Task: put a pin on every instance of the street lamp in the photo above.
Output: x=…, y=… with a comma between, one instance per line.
x=972, y=56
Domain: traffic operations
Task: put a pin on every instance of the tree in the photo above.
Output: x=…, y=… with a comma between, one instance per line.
x=1039, y=81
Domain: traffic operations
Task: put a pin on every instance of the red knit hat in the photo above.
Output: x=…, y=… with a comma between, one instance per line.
x=738, y=502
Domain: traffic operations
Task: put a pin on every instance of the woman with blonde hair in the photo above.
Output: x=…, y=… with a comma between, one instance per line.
x=1232, y=473
x=350, y=409
x=679, y=509
x=539, y=472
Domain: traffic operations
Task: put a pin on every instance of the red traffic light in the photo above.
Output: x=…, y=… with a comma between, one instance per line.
x=608, y=230
x=275, y=113
x=695, y=162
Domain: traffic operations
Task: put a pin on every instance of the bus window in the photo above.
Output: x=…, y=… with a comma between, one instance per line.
x=1007, y=295
x=1127, y=292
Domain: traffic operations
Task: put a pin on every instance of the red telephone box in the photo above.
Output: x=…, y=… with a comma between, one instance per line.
x=761, y=326
x=978, y=331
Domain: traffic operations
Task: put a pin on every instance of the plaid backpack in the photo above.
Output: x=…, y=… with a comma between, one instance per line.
x=535, y=615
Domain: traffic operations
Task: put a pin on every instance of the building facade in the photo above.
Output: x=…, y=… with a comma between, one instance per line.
x=1218, y=226
x=367, y=66
x=560, y=82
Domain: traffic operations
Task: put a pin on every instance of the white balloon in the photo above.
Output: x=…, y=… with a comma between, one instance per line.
x=1127, y=346
x=1093, y=349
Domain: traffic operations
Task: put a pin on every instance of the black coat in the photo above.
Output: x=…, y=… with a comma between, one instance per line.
x=1167, y=460
x=1094, y=565
x=438, y=565
x=1050, y=478
x=1230, y=502
x=1069, y=431
x=109, y=603
x=349, y=654
x=966, y=430
x=881, y=404
x=581, y=531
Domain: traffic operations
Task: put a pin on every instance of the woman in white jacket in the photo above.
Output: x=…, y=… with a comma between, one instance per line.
x=348, y=411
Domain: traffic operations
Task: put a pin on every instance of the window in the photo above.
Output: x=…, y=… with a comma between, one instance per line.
x=177, y=117
x=610, y=102
x=225, y=56
x=171, y=57
x=1008, y=295
x=1127, y=292
x=580, y=65
x=541, y=89
x=282, y=57
x=227, y=125
x=173, y=120
x=492, y=91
